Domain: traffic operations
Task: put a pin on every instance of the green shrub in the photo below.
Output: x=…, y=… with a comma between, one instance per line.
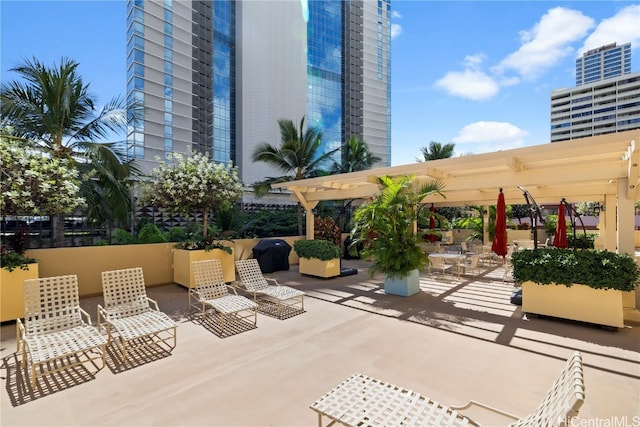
x=597, y=269
x=150, y=233
x=177, y=234
x=123, y=237
x=320, y=249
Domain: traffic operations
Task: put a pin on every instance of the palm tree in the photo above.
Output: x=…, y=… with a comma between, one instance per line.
x=297, y=157
x=52, y=109
x=355, y=157
x=435, y=151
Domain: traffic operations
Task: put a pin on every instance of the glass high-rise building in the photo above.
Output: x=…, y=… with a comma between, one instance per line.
x=603, y=63
x=216, y=76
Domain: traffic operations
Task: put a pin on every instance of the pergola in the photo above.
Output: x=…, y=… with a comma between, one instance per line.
x=601, y=169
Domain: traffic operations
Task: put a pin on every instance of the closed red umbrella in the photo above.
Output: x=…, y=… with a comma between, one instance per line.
x=560, y=236
x=499, y=245
x=432, y=224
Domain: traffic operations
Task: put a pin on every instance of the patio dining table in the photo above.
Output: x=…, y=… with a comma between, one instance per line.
x=449, y=258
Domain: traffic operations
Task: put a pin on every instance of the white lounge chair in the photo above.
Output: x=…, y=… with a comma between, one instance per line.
x=130, y=314
x=54, y=335
x=254, y=282
x=211, y=291
x=364, y=401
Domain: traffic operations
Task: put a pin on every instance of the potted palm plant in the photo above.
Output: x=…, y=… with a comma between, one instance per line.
x=386, y=225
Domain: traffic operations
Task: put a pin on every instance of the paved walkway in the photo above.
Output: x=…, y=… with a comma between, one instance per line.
x=458, y=339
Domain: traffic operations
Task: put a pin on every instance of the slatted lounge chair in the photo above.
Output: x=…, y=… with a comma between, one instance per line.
x=211, y=291
x=56, y=333
x=364, y=401
x=254, y=282
x=130, y=315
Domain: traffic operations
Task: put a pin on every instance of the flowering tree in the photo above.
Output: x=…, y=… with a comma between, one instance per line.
x=32, y=184
x=194, y=183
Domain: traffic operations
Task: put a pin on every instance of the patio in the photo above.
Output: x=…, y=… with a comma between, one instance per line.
x=458, y=339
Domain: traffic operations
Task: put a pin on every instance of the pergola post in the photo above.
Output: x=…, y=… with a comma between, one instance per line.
x=626, y=220
x=485, y=225
x=308, y=208
x=610, y=232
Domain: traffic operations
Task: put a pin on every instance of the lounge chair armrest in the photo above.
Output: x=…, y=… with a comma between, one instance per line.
x=20, y=333
x=484, y=406
x=233, y=289
x=153, y=304
x=275, y=282
x=86, y=315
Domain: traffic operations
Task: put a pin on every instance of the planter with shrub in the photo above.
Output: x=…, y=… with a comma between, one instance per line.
x=319, y=258
x=587, y=286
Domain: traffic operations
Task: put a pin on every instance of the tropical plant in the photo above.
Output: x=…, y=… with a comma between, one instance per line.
x=355, y=156
x=325, y=228
x=435, y=151
x=193, y=182
x=599, y=269
x=323, y=250
x=386, y=225
x=298, y=157
x=51, y=108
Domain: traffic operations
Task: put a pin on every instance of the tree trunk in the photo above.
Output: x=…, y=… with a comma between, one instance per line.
x=205, y=219
x=57, y=228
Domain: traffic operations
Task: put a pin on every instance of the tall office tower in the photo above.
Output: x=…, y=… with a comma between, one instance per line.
x=603, y=63
x=606, y=106
x=216, y=76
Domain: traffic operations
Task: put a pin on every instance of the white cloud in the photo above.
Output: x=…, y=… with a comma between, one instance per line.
x=396, y=14
x=396, y=30
x=623, y=27
x=472, y=83
x=481, y=137
x=546, y=43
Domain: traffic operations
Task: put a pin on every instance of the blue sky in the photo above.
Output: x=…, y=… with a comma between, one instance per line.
x=475, y=73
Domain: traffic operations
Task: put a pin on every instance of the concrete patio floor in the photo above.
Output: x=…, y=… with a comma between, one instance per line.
x=458, y=339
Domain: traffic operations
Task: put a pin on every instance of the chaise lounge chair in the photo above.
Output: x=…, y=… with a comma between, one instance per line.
x=254, y=282
x=364, y=401
x=130, y=314
x=54, y=336
x=211, y=291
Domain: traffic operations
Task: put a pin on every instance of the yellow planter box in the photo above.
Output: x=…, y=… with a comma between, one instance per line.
x=578, y=302
x=319, y=268
x=182, y=259
x=11, y=291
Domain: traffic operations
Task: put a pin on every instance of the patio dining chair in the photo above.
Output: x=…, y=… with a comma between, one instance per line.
x=211, y=291
x=437, y=263
x=254, y=282
x=364, y=401
x=130, y=315
x=470, y=265
x=56, y=333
